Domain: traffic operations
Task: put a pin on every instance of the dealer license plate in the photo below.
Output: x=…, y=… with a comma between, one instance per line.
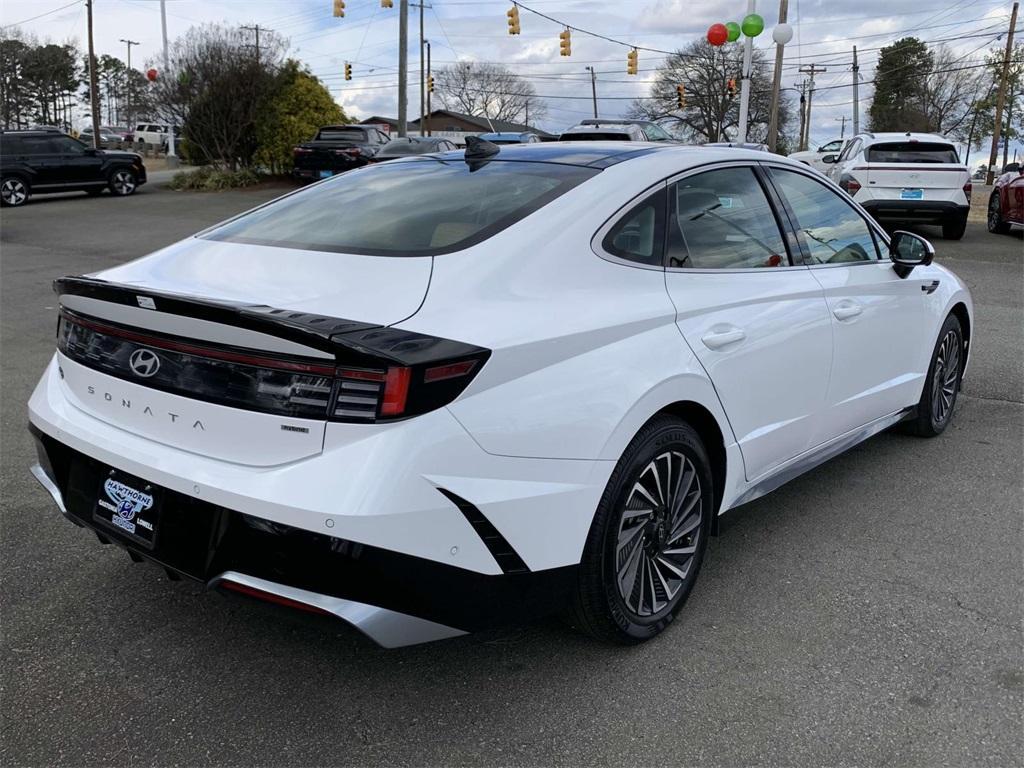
x=130, y=505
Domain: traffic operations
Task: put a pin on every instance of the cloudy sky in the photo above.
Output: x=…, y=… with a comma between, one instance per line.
x=825, y=32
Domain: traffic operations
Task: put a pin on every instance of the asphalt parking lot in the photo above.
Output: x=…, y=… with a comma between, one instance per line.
x=869, y=613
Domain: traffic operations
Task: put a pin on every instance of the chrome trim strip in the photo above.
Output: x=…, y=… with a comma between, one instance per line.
x=387, y=628
x=816, y=456
x=51, y=487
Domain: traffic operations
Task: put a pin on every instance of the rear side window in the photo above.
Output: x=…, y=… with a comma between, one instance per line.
x=638, y=235
x=829, y=228
x=414, y=207
x=722, y=220
x=912, y=152
x=11, y=145
x=37, y=145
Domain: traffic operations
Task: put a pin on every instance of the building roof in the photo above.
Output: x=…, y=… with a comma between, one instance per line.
x=379, y=119
x=484, y=124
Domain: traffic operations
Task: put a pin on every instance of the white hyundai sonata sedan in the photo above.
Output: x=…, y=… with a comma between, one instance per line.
x=469, y=388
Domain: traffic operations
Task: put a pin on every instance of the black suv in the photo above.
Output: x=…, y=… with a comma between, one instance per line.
x=46, y=161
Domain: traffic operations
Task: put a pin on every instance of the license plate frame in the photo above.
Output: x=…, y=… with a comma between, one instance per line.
x=130, y=506
x=911, y=193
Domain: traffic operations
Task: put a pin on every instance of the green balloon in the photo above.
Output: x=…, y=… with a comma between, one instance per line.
x=753, y=25
x=734, y=31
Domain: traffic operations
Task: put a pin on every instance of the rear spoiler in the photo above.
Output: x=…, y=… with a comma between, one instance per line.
x=351, y=341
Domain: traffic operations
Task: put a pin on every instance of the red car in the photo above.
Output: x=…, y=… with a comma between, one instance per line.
x=1006, y=205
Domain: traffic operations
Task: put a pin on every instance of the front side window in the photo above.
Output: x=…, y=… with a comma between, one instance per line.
x=65, y=145
x=832, y=146
x=638, y=235
x=829, y=227
x=418, y=207
x=722, y=220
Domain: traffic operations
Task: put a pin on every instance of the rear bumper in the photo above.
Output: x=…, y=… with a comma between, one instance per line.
x=923, y=211
x=393, y=598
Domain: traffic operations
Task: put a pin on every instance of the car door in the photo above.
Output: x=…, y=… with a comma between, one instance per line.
x=1015, y=199
x=832, y=148
x=76, y=163
x=758, y=324
x=42, y=157
x=879, y=320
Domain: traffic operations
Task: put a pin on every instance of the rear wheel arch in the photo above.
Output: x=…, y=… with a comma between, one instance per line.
x=710, y=432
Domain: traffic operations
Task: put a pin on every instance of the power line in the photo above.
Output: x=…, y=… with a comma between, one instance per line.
x=41, y=15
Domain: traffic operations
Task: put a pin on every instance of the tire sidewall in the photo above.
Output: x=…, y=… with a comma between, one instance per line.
x=673, y=435
x=927, y=401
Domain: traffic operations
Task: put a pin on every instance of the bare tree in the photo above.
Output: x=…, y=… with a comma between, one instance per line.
x=485, y=89
x=710, y=112
x=950, y=93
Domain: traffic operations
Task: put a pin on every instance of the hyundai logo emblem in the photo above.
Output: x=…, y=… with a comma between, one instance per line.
x=144, y=363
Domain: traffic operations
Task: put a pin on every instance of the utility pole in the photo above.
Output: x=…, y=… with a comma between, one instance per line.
x=128, y=77
x=403, y=67
x=593, y=88
x=423, y=73
x=802, y=85
x=254, y=28
x=842, y=129
x=856, y=93
x=428, y=90
x=172, y=158
x=748, y=52
x=1001, y=98
x=773, y=116
x=811, y=71
x=94, y=100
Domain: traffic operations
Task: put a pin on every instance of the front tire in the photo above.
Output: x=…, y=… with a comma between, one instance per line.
x=14, y=191
x=996, y=225
x=648, y=537
x=935, y=408
x=954, y=227
x=123, y=182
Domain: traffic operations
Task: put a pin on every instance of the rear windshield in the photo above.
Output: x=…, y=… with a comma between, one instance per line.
x=912, y=152
x=410, y=148
x=341, y=134
x=415, y=207
x=595, y=136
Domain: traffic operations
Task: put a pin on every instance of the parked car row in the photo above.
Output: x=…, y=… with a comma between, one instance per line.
x=34, y=162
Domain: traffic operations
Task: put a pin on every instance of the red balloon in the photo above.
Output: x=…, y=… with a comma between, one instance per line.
x=151, y=75
x=718, y=34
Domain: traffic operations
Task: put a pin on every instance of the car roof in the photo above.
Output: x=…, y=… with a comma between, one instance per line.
x=603, y=154
x=32, y=131
x=603, y=128
x=906, y=136
x=505, y=134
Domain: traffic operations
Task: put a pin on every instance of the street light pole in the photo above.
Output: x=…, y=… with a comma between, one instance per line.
x=128, y=76
x=167, y=73
x=748, y=53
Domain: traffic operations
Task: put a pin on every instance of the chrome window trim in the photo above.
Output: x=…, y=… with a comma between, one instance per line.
x=597, y=241
x=716, y=166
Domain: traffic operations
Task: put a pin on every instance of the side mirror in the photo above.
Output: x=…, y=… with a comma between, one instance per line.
x=829, y=159
x=1011, y=167
x=908, y=250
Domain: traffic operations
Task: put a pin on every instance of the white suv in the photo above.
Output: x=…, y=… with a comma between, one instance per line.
x=906, y=178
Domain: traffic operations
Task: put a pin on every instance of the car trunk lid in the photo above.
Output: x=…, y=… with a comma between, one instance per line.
x=913, y=170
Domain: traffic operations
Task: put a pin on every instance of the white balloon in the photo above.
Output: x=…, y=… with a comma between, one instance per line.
x=782, y=33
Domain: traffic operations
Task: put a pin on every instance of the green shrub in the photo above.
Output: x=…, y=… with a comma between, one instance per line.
x=209, y=179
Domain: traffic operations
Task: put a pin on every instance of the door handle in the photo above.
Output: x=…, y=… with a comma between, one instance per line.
x=847, y=310
x=719, y=339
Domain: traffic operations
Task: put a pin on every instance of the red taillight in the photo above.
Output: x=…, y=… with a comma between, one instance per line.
x=442, y=372
x=850, y=184
x=270, y=597
x=967, y=190
x=396, y=391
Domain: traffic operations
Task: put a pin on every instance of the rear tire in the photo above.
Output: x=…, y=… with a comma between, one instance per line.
x=954, y=227
x=14, y=191
x=649, y=535
x=996, y=225
x=935, y=408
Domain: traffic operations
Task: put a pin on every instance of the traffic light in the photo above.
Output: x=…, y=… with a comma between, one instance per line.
x=631, y=62
x=430, y=83
x=730, y=87
x=513, y=20
x=681, y=96
x=565, y=42
x=339, y=8
x=348, y=71
x=387, y=3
